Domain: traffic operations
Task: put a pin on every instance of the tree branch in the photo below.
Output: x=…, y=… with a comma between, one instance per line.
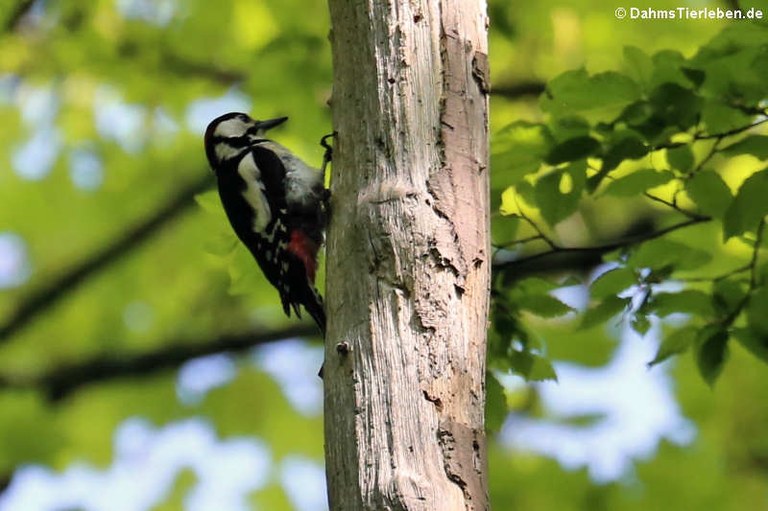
x=21, y=10
x=49, y=293
x=210, y=71
x=570, y=258
x=519, y=90
x=62, y=381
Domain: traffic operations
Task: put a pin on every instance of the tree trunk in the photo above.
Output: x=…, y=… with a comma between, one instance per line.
x=408, y=269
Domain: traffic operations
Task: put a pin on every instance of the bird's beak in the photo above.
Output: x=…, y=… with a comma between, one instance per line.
x=262, y=126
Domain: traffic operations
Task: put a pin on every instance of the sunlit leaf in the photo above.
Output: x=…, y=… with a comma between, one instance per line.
x=558, y=192
x=756, y=145
x=519, y=149
x=637, y=182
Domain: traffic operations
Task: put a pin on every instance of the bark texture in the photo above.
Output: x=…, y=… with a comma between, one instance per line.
x=408, y=267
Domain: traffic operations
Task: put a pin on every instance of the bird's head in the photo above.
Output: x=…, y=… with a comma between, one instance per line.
x=228, y=134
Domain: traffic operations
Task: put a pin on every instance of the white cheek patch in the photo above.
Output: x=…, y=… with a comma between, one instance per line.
x=231, y=128
x=226, y=152
x=254, y=193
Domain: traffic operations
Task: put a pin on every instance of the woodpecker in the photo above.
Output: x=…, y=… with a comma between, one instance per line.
x=275, y=203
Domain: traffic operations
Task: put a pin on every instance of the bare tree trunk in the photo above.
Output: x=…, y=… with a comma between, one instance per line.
x=408, y=267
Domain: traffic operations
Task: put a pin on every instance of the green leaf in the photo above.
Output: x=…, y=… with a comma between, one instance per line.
x=640, y=324
x=696, y=76
x=710, y=193
x=757, y=313
x=637, y=182
x=748, y=207
x=675, y=105
x=525, y=191
x=535, y=285
x=570, y=126
x=508, y=204
x=727, y=295
x=572, y=149
x=624, y=145
x=719, y=117
x=680, y=158
x=687, y=301
x=546, y=306
x=613, y=282
x=756, y=145
x=675, y=343
x=599, y=97
x=504, y=229
x=755, y=344
x=711, y=353
x=505, y=321
x=519, y=149
x=734, y=63
x=667, y=68
x=662, y=253
x=496, y=408
x=542, y=370
x=639, y=65
x=531, y=366
x=637, y=113
x=558, y=193
x=603, y=311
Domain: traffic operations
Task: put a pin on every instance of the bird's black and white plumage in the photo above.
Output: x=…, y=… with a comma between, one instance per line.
x=275, y=203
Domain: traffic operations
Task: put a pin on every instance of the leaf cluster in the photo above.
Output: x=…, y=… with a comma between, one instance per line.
x=672, y=151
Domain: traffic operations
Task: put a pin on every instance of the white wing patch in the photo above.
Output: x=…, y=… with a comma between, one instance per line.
x=254, y=193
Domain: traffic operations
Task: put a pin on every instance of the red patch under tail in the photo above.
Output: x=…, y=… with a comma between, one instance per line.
x=306, y=250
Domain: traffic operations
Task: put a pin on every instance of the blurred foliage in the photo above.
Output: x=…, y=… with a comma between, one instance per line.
x=660, y=138
x=103, y=105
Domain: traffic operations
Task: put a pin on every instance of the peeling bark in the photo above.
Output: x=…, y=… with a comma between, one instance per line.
x=408, y=266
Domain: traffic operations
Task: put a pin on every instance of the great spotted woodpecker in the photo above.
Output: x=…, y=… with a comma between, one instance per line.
x=276, y=204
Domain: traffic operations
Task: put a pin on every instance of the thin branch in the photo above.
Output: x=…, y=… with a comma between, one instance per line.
x=722, y=135
x=51, y=292
x=521, y=241
x=673, y=205
x=62, y=381
x=210, y=71
x=519, y=90
x=21, y=10
x=718, y=278
x=535, y=227
x=734, y=131
x=581, y=254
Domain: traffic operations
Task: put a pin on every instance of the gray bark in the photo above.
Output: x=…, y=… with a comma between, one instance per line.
x=408, y=265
